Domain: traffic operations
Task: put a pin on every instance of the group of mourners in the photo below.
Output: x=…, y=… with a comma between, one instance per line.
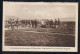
x=44, y=23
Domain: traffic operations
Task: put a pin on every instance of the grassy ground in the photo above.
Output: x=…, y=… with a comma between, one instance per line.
x=20, y=38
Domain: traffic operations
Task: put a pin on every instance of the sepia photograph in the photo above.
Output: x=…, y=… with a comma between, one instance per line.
x=31, y=26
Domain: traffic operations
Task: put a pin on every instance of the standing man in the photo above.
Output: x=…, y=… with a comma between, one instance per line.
x=59, y=22
x=55, y=23
x=51, y=23
x=35, y=23
x=17, y=23
x=47, y=23
x=32, y=23
x=26, y=23
x=12, y=24
x=9, y=23
x=42, y=22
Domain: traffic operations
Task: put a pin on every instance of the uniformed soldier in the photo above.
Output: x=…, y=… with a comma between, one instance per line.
x=12, y=24
x=35, y=23
x=59, y=22
x=9, y=23
x=17, y=23
x=55, y=23
x=47, y=23
x=32, y=24
x=42, y=22
x=26, y=23
x=51, y=23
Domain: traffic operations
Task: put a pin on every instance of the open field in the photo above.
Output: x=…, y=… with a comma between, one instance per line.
x=19, y=38
x=64, y=36
x=39, y=37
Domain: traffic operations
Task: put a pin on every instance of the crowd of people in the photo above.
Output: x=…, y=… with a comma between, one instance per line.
x=44, y=23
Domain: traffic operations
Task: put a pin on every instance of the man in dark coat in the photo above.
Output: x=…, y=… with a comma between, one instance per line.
x=17, y=23
x=59, y=22
x=32, y=23
x=35, y=23
x=55, y=23
x=51, y=23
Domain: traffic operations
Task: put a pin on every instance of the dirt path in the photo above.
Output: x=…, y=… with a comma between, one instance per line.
x=48, y=32
x=43, y=32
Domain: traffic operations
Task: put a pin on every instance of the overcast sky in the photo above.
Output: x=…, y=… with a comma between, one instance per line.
x=39, y=10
